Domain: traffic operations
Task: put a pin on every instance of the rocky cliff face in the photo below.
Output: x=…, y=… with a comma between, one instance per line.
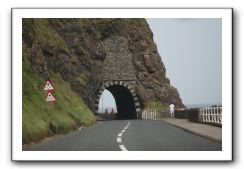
x=87, y=51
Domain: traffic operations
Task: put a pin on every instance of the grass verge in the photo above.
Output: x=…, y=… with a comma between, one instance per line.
x=41, y=119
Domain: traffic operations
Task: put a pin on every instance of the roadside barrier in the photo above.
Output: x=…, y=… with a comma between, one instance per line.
x=150, y=114
x=211, y=115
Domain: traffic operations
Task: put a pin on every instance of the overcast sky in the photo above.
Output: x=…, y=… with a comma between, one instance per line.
x=191, y=51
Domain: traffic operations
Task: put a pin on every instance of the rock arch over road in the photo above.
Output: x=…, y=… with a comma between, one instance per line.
x=128, y=105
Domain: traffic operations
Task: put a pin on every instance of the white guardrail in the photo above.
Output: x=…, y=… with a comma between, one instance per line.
x=149, y=114
x=211, y=115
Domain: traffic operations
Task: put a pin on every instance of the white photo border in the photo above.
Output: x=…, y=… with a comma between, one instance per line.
x=227, y=137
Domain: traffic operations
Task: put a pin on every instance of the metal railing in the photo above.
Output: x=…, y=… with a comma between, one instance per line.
x=211, y=115
x=150, y=114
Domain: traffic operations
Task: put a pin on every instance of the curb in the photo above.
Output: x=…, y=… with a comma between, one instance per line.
x=193, y=132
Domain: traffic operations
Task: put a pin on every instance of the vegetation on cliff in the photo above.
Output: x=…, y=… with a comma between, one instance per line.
x=41, y=119
x=162, y=108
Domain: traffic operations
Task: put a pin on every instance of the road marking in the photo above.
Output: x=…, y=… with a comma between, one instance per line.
x=122, y=147
x=119, y=139
x=120, y=134
x=127, y=125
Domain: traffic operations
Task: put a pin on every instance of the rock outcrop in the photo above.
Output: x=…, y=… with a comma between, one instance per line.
x=82, y=50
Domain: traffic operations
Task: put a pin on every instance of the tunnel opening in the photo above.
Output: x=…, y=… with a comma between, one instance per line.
x=125, y=104
x=107, y=103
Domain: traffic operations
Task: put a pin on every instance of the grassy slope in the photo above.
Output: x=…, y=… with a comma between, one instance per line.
x=39, y=118
x=161, y=107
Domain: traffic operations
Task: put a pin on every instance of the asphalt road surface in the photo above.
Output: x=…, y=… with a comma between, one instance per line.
x=128, y=135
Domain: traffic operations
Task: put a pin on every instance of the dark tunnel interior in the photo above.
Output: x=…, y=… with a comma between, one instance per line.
x=124, y=102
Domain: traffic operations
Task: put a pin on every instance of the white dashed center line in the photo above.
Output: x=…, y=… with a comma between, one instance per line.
x=119, y=139
x=119, y=135
x=122, y=147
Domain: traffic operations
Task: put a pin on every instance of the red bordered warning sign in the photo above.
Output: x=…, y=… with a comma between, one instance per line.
x=48, y=86
x=50, y=97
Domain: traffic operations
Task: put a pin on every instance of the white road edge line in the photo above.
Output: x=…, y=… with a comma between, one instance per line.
x=119, y=139
x=122, y=147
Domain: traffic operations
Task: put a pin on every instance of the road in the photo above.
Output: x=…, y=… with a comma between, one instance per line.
x=128, y=135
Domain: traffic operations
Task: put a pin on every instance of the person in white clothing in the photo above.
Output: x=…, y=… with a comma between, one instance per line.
x=172, y=110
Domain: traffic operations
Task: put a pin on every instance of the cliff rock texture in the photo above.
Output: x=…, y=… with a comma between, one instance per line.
x=87, y=52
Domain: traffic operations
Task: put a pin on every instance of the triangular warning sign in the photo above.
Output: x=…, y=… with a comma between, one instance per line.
x=48, y=86
x=50, y=97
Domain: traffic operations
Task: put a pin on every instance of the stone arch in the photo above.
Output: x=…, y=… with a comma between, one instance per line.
x=124, y=84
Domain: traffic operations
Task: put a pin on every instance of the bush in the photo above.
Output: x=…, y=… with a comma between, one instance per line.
x=162, y=108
